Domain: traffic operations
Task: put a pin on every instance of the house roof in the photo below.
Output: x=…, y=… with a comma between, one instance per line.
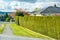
x=51, y=9
x=38, y=11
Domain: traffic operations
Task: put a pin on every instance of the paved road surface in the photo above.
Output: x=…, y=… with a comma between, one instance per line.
x=7, y=30
x=6, y=37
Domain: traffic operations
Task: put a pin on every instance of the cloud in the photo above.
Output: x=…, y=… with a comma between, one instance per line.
x=48, y=0
x=14, y=4
x=31, y=6
x=36, y=5
x=2, y=4
x=30, y=1
x=10, y=5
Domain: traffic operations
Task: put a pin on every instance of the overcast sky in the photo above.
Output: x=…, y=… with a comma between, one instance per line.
x=26, y=4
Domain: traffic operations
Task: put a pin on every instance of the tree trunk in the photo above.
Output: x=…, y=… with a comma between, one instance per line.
x=18, y=20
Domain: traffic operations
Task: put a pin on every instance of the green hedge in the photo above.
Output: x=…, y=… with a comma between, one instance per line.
x=47, y=25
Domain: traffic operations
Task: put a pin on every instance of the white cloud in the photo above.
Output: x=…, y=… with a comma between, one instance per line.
x=44, y=4
x=32, y=6
x=15, y=4
x=3, y=5
x=25, y=5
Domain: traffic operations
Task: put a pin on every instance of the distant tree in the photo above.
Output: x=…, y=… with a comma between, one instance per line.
x=19, y=14
x=6, y=15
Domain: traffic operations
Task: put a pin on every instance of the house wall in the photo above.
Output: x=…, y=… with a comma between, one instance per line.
x=36, y=15
x=12, y=14
x=26, y=14
x=56, y=14
x=51, y=14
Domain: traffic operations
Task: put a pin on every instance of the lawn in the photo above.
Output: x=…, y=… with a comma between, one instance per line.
x=2, y=28
x=46, y=25
x=22, y=31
